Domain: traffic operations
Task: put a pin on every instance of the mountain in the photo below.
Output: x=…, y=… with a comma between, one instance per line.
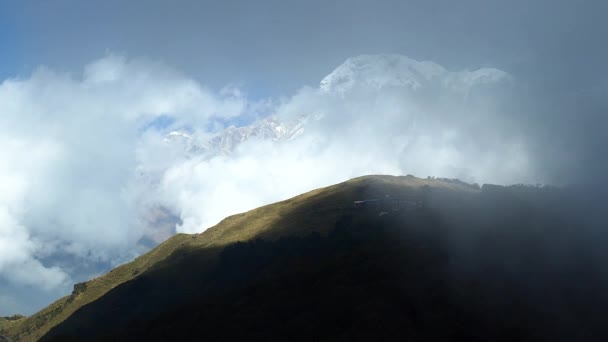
x=369, y=72
x=227, y=140
x=267, y=221
x=397, y=71
x=377, y=257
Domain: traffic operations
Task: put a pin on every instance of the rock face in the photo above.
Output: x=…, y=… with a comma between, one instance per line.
x=266, y=129
x=79, y=288
x=226, y=141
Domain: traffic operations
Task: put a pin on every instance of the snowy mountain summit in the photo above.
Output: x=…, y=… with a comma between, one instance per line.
x=365, y=72
x=266, y=129
x=228, y=139
x=397, y=71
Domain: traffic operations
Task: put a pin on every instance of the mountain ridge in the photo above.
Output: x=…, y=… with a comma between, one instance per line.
x=268, y=220
x=374, y=258
x=320, y=212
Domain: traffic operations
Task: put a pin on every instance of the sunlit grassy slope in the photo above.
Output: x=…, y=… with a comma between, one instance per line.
x=8, y=321
x=317, y=210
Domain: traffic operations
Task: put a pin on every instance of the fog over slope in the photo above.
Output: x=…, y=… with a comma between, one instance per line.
x=92, y=171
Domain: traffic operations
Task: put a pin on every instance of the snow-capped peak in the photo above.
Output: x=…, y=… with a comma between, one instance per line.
x=381, y=71
x=228, y=139
x=367, y=72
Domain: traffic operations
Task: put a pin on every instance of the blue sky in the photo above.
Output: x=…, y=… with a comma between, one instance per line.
x=9, y=39
x=274, y=47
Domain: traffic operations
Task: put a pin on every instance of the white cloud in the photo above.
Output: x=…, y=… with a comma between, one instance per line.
x=17, y=249
x=67, y=171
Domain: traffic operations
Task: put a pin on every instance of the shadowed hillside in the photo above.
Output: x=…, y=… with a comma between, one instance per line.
x=269, y=221
x=419, y=259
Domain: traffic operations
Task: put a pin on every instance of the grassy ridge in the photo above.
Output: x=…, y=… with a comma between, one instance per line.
x=269, y=222
x=33, y=327
x=518, y=263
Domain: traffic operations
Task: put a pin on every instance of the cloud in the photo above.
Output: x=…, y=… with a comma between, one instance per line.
x=17, y=249
x=67, y=173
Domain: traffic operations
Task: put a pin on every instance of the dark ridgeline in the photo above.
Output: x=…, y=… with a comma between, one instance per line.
x=501, y=264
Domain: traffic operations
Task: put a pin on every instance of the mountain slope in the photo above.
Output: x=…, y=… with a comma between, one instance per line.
x=268, y=222
x=454, y=262
x=419, y=260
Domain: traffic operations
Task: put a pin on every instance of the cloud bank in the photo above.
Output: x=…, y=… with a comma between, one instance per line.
x=68, y=162
x=87, y=167
x=374, y=114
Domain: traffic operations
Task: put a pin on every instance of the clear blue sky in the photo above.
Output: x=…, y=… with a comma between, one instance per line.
x=9, y=50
